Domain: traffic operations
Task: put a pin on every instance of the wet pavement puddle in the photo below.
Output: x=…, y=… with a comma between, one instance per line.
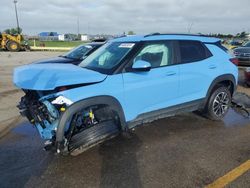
x=234, y=118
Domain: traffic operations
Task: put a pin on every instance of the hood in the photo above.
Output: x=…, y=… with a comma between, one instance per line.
x=57, y=60
x=242, y=49
x=50, y=76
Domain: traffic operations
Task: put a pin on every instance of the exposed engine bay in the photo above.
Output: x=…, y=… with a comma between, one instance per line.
x=44, y=113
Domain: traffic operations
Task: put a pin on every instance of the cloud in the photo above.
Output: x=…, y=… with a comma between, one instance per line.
x=116, y=16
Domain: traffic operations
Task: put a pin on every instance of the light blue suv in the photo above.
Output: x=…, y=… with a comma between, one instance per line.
x=127, y=82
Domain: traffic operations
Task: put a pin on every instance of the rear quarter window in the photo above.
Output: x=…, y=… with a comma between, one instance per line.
x=192, y=51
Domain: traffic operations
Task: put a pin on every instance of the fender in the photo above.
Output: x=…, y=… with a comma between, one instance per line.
x=221, y=78
x=112, y=102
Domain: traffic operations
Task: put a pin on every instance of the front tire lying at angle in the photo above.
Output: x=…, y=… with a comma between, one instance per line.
x=92, y=136
x=108, y=122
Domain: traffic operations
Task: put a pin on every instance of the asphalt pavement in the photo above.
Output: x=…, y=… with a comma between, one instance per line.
x=182, y=151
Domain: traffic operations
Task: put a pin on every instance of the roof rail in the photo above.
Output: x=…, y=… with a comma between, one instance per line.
x=151, y=34
x=183, y=34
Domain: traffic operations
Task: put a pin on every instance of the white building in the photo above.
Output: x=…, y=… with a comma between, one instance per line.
x=85, y=38
x=61, y=37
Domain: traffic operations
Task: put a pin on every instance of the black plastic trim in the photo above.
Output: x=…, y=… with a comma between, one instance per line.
x=216, y=81
x=178, y=34
x=166, y=112
x=106, y=100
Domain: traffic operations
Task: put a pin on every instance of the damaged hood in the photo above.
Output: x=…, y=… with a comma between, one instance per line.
x=57, y=60
x=50, y=76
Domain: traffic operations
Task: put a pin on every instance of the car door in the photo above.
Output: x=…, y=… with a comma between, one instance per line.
x=158, y=88
x=196, y=70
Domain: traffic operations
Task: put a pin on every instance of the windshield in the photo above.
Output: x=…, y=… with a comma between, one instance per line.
x=78, y=52
x=107, y=57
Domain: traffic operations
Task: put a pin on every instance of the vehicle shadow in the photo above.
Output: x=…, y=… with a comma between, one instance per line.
x=119, y=162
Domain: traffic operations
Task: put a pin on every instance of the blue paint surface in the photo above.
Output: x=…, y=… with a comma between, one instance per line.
x=50, y=76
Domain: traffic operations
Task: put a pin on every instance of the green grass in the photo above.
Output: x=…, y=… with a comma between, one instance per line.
x=56, y=43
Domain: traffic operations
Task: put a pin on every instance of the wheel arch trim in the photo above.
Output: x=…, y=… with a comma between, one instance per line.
x=104, y=99
x=217, y=80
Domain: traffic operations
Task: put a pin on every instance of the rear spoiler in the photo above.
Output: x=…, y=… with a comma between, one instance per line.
x=218, y=44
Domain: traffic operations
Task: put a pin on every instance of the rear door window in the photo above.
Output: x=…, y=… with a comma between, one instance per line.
x=192, y=51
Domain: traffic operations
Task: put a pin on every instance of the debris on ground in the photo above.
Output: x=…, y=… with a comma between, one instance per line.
x=241, y=103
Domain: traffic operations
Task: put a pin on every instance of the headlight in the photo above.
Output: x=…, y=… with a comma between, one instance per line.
x=62, y=100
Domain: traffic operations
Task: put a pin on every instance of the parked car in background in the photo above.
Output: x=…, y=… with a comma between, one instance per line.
x=126, y=82
x=247, y=76
x=74, y=56
x=234, y=44
x=243, y=54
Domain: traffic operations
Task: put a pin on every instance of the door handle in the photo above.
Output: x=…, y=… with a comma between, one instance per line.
x=170, y=73
x=212, y=67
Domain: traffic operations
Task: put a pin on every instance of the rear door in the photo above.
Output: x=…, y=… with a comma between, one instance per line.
x=196, y=70
x=156, y=89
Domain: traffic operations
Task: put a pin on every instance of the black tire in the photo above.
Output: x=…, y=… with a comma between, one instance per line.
x=247, y=84
x=27, y=48
x=106, y=128
x=13, y=46
x=92, y=136
x=218, y=104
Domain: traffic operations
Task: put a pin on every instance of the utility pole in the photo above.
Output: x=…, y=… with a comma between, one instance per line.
x=88, y=28
x=78, y=26
x=190, y=27
x=18, y=28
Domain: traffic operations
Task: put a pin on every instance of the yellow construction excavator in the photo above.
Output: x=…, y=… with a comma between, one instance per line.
x=13, y=43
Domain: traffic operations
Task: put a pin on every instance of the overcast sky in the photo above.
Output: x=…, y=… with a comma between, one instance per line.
x=117, y=16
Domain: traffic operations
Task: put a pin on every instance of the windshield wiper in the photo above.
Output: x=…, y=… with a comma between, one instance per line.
x=68, y=57
x=63, y=56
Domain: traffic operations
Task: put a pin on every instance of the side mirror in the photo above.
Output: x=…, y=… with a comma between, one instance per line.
x=141, y=65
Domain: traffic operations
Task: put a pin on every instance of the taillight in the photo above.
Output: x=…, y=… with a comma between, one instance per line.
x=235, y=61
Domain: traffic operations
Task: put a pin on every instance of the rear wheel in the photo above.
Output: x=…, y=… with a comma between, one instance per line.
x=13, y=46
x=219, y=103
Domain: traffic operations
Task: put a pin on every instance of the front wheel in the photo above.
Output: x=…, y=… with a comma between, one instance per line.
x=218, y=104
x=91, y=126
x=92, y=136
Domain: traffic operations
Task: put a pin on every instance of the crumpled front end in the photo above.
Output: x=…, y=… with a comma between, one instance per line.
x=43, y=85
x=43, y=112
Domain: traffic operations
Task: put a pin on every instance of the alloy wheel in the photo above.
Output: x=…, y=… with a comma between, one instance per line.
x=221, y=104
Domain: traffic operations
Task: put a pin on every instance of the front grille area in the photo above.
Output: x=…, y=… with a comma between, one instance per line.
x=34, y=110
